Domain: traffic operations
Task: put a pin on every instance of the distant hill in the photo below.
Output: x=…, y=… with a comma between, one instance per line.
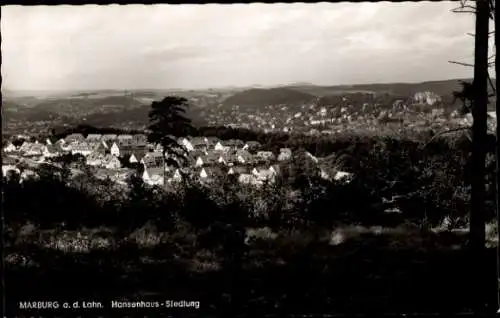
x=442, y=88
x=139, y=116
x=256, y=97
x=76, y=107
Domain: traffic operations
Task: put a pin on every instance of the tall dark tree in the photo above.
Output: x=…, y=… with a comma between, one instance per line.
x=167, y=123
x=483, y=10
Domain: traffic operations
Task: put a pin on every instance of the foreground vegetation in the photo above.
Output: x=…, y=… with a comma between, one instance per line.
x=301, y=245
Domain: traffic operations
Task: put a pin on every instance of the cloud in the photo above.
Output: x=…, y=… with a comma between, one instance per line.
x=161, y=46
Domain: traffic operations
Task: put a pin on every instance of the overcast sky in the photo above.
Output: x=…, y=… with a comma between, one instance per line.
x=200, y=46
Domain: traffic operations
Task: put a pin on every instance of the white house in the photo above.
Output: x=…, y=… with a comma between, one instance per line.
x=177, y=177
x=34, y=150
x=7, y=168
x=67, y=146
x=266, y=175
x=199, y=162
x=83, y=148
x=203, y=174
x=153, y=159
x=273, y=170
x=153, y=176
x=48, y=142
x=94, y=159
x=324, y=175
x=133, y=159
x=187, y=144
x=231, y=171
x=115, y=150
x=343, y=176
x=243, y=156
x=25, y=146
x=246, y=178
x=285, y=154
x=251, y=145
x=10, y=147
x=221, y=160
x=112, y=163
x=28, y=174
x=124, y=137
x=219, y=146
x=265, y=155
x=255, y=172
x=240, y=159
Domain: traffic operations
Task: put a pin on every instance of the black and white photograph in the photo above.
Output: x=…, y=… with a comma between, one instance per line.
x=209, y=160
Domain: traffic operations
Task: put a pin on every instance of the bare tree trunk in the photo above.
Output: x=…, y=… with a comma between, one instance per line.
x=164, y=168
x=479, y=128
x=497, y=181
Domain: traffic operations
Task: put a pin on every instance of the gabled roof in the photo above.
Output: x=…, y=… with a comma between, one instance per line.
x=107, y=137
x=219, y=143
x=94, y=137
x=124, y=137
x=198, y=141
x=32, y=147
x=84, y=146
x=74, y=137
x=199, y=160
x=53, y=148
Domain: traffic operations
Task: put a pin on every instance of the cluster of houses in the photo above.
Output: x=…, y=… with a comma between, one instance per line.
x=208, y=157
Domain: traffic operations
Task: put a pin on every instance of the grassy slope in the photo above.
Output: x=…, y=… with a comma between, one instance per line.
x=399, y=270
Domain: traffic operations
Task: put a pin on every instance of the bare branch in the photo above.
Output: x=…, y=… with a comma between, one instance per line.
x=463, y=11
x=492, y=85
x=465, y=6
x=461, y=63
x=445, y=132
x=490, y=34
